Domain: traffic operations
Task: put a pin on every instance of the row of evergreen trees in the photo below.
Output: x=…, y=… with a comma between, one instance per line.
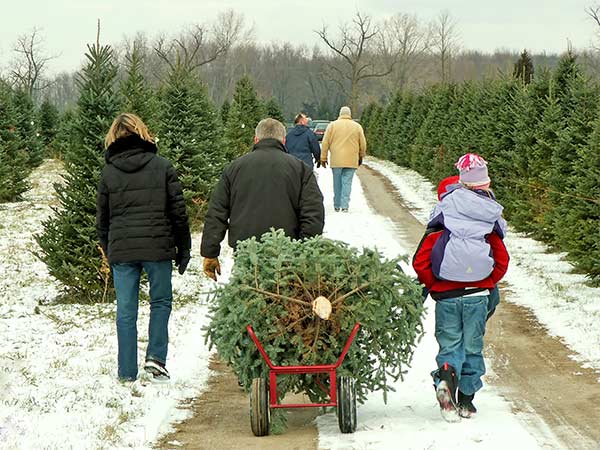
x=190, y=131
x=26, y=133
x=541, y=139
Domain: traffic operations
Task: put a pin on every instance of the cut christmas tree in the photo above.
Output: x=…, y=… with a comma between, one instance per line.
x=282, y=287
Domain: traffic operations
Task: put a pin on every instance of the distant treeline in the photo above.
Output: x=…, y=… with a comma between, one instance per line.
x=300, y=79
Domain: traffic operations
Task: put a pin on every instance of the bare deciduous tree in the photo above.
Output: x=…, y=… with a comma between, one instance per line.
x=594, y=13
x=203, y=44
x=359, y=55
x=445, y=43
x=402, y=35
x=29, y=66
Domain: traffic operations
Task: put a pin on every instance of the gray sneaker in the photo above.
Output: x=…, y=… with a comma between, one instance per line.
x=157, y=371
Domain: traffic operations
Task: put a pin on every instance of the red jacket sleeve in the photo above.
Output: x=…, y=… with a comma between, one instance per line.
x=422, y=259
x=500, y=255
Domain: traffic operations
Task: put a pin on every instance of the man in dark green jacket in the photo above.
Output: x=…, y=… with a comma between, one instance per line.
x=266, y=188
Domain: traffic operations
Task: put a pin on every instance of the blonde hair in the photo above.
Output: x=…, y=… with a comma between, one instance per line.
x=125, y=125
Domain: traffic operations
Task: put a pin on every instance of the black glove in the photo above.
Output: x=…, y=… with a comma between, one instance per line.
x=182, y=259
x=318, y=163
x=359, y=161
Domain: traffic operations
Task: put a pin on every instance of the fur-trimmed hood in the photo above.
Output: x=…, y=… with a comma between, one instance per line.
x=130, y=153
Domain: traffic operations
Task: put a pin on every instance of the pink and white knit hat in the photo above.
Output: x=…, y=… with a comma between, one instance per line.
x=473, y=171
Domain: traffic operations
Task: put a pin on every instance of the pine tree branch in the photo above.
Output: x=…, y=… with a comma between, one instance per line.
x=306, y=291
x=282, y=297
x=353, y=291
x=318, y=330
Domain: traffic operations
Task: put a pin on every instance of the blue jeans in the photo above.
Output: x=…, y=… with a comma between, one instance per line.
x=342, y=186
x=459, y=330
x=127, y=287
x=493, y=301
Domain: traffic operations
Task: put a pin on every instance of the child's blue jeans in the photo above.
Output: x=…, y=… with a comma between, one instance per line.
x=127, y=287
x=459, y=330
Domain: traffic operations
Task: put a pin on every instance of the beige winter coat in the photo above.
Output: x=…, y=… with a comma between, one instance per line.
x=345, y=140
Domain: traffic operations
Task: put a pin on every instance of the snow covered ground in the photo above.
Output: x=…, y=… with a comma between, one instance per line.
x=58, y=387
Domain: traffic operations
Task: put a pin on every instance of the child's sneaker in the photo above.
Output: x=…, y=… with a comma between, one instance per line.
x=446, y=392
x=157, y=371
x=466, y=408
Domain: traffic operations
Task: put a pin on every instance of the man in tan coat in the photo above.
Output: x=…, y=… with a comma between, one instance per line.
x=345, y=140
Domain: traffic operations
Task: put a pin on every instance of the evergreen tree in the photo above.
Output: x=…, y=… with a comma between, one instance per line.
x=64, y=134
x=26, y=128
x=566, y=70
x=390, y=126
x=471, y=120
x=374, y=133
x=14, y=167
x=365, y=117
x=579, y=107
x=47, y=124
x=224, y=112
x=517, y=202
x=244, y=114
x=497, y=144
x=190, y=137
x=546, y=139
x=69, y=245
x=138, y=98
x=395, y=127
x=410, y=128
x=584, y=213
x=273, y=110
x=523, y=68
x=430, y=142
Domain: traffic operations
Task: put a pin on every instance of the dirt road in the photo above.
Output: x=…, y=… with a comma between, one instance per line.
x=534, y=372
x=221, y=421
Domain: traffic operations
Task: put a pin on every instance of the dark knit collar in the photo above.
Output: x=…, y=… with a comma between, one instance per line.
x=269, y=144
x=126, y=143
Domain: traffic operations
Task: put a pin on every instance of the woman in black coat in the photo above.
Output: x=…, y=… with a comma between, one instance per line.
x=142, y=224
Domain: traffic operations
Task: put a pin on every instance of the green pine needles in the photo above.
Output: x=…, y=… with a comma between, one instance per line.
x=190, y=137
x=243, y=115
x=14, y=160
x=68, y=244
x=272, y=288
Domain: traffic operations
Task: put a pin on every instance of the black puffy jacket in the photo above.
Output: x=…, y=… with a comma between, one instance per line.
x=140, y=210
x=266, y=188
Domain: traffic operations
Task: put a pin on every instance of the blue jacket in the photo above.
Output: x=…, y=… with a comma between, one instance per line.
x=302, y=143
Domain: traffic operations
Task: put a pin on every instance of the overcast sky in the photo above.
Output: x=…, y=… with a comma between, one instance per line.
x=68, y=25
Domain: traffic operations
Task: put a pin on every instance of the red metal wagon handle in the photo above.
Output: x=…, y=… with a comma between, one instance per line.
x=323, y=368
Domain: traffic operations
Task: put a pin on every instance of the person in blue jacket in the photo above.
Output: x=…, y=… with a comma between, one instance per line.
x=302, y=143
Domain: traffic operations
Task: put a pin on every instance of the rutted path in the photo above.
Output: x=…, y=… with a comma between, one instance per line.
x=222, y=421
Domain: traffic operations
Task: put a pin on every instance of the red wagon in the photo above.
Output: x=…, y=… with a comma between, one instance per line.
x=342, y=390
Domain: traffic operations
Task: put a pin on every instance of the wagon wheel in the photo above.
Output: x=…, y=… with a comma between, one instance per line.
x=259, y=407
x=346, y=404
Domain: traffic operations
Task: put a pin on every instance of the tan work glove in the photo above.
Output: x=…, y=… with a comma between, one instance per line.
x=324, y=163
x=212, y=268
